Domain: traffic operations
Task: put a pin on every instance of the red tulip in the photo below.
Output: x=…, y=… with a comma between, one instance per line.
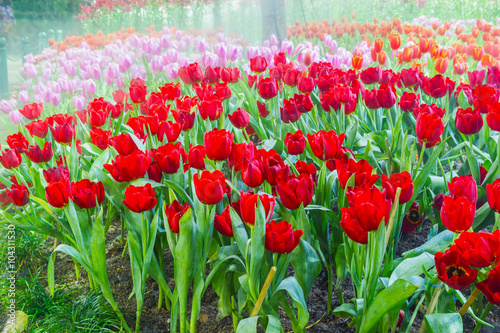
x=307, y=169
x=275, y=170
x=32, y=111
x=386, y=96
x=476, y=78
x=231, y=75
x=436, y=87
x=258, y=64
x=453, y=270
x=484, y=96
x=463, y=186
x=441, y=65
x=493, y=116
x=99, y=111
x=239, y=118
x=281, y=238
x=429, y=128
x=139, y=198
x=168, y=157
x=37, y=155
x=296, y=191
x=402, y=180
x=362, y=170
x=212, y=75
x=305, y=84
x=410, y=77
x=63, y=134
x=18, y=195
x=17, y=141
x=218, y=144
x=124, y=144
x=210, y=108
x=191, y=73
x=263, y=112
x=412, y=219
x=130, y=167
x=395, y=41
x=137, y=91
x=267, y=88
x=408, y=101
x=210, y=187
x=248, y=205
x=86, y=194
x=303, y=102
x=10, y=158
x=252, y=173
x=154, y=172
x=196, y=157
x=291, y=77
x=240, y=152
x=119, y=96
x=478, y=248
x=468, y=121
x=326, y=145
x=490, y=287
x=57, y=193
x=289, y=112
x=457, y=214
x=223, y=224
x=295, y=143
x=37, y=128
x=371, y=75
x=351, y=226
x=174, y=213
x=493, y=195
x=169, y=130
x=100, y=138
x=171, y=91
x=371, y=99
x=369, y=206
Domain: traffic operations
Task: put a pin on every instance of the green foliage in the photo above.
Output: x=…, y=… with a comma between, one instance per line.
x=46, y=9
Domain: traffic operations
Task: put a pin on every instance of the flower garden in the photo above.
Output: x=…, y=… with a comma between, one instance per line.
x=253, y=171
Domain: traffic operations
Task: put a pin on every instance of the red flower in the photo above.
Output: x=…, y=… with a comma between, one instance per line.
x=154, y=172
x=430, y=109
x=478, y=248
x=453, y=270
x=212, y=75
x=258, y=64
x=408, y=101
x=84, y=193
x=37, y=155
x=303, y=102
x=395, y=41
x=169, y=130
x=267, y=88
x=401, y=180
x=222, y=90
x=371, y=75
x=137, y=91
x=248, y=206
x=37, y=128
x=295, y=143
x=263, y=112
x=128, y=168
x=63, y=134
x=305, y=84
x=386, y=96
x=371, y=99
x=308, y=169
x=168, y=157
x=239, y=118
x=296, y=191
x=291, y=76
x=326, y=145
x=429, y=129
x=210, y=108
x=119, y=96
x=476, y=78
x=174, y=213
x=280, y=237
x=18, y=194
x=289, y=112
x=410, y=77
x=210, y=187
x=10, y=158
x=139, y=198
x=351, y=226
x=239, y=152
x=230, y=74
x=490, y=287
x=457, y=214
x=196, y=157
x=124, y=144
x=412, y=219
x=493, y=195
x=436, y=87
x=493, y=116
x=369, y=206
x=57, y=193
x=218, y=144
x=32, y=111
x=100, y=138
x=484, y=96
x=171, y=91
x=185, y=118
x=223, y=223
x=252, y=173
x=98, y=111
x=362, y=169
x=275, y=170
x=468, y=121
x=17, y=141
x=437, y=202
x=463, y=186
x=441, y=65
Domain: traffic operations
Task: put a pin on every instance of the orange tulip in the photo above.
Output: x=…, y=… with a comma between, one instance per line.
x=477, y=53
x=487, y=60
x=378, y=45
x=357, y=62
x=395, y=41
x=441, y=65
x=382, y=58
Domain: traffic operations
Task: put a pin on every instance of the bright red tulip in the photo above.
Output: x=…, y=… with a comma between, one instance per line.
x=32, y=111
x=57, y=193
x=169, y=130
x=296, y=191
x=210, y=187
x=196, y=157
x=493, y=195
x=463, y=186
x=351, y=226
x=100, y=138
x=267, y=88
x=130, y=167
x=124, y=144
x=478, y=248
x=218, y=144
x=490, y=287
x=369, y=206
x=258, y=64
x=402, y=180
x=86, y=194
x=295, y=143
x=248, y=206
x=429, y=129
x=37, y=128
x=139, y=198
x=223, y=224
x=168, y=157
x=326, y=145
x=362, y=170
x=18, y=195
x=281, y=238
x=493, y=116
x=174, y=213
x=239, y=118
x=252, y=173
x=10, y=158
x=457, y=214
x=453, y=270
x=468, y=121
x=371, y=75
x=137, y=91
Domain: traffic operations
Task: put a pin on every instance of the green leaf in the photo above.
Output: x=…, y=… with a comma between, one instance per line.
x=473, y=164
x=248, y=325
x=387, y=300
x=239, y=231
x=411, y=267
x=306, y=264
x=292, y=287
x=50, y=273
x=439, y=243
x=444, y=323
x=426, y=170
x=345, y=310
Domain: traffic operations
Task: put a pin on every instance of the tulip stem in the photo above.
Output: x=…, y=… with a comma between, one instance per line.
x=431, y=306
x=485, y=312
x=263, y=292
x=420, y=159
x=395, y=206
x=469, y=301
x=497, y=218
x=389, y=160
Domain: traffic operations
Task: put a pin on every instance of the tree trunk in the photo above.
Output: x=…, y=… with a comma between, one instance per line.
x=273, y=19
x=217, y=14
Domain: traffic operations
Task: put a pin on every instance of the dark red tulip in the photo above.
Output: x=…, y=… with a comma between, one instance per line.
x=223, y=224
x=137, y=91
x=493, y=116
x=371, y=99
x=468, y=121
x=457, y=214
x=453, y=270
x=154, y=172
x=86, y=194
x=239, y=118
x=263, y=112
x=281, y=238
x=326, y=145
x=57, y=193
x=174, y=213
x=128, y=168
x=429, y=129
x=210, y=187
x=463, y=186
x=402, y=180
x=493, y=195
x=248, y=206
x=139, y=198
x=303, y=102
x=100, y=138
x=168, y=157
x=289, y=112
x=410, y=77
x=369, y=206
x=295, y=143
x=386, y=96
x=196, y=157
x=267, y=88
x=371, y=75
x=408, y=101
x=18, y=195
x=296, y=191
x=412, y=219
x=124, y=144
x=351, y=226
x=490, y=287
x=476, y=78
x=258, y=64
x=37, y=155
x=63, y=134
x=218, y=144
x=10, y=158
x=37, y=128
x=275, y=170
x=436, y=87
x=185, y=118
x=437, y=202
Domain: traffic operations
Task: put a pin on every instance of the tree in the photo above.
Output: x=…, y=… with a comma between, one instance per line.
x=273, y=19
